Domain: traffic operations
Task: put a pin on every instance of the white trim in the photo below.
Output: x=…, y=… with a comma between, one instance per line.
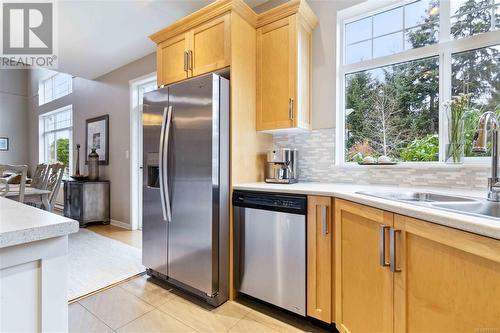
x=135, y=151
x=42, y=134
x=444, y=49
x=120, y=224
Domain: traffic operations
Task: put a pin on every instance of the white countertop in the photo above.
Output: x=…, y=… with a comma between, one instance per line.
x=20, y=224
x=479, y=225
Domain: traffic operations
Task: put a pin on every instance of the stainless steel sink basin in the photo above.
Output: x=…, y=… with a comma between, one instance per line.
x=478, y=208
x=457, y=204
x=417, y=196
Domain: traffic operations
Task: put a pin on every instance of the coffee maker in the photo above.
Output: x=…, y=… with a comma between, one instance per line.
x=282, y=166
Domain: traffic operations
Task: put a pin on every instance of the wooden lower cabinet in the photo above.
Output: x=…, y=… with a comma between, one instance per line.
x=363, y=287
x=447, y=280
x=398, y=274
x=320, y=258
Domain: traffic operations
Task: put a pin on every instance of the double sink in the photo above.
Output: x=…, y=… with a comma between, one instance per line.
x=457, y=204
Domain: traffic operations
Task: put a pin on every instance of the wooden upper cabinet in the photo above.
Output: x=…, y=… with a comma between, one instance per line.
x=202, y=49
x=171, y=59
x=446, y=280
x=363, y=283
x=284, y=60
x=319, y=258
x=276, y=58
x=210, y=46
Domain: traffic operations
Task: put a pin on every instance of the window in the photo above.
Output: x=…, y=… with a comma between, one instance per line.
x=54, y=87
x=398, y=64
x=56, y=137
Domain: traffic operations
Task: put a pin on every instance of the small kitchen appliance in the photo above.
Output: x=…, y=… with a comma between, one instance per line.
x=282, y=166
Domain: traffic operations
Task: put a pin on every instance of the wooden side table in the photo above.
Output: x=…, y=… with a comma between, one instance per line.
x=87, y=201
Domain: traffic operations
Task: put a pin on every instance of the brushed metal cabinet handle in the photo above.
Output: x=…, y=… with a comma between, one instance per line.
x=382, y=230
x=392, y=250
x=190, y=60
x=324, y=219
x=290, y=108
x=186, y=61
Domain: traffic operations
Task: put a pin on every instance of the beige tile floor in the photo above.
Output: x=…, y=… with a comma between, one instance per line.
x=140, y=305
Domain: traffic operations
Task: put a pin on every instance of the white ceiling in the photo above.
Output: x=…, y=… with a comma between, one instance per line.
x=98, y=36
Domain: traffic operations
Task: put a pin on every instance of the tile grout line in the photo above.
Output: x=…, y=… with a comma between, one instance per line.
x=127, y=293
x=93, y=315
x=145, y=313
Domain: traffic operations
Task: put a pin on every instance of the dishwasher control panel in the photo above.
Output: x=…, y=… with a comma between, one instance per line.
x=281, y=202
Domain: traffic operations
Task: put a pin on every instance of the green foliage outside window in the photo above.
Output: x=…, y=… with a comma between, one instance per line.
x=394, y=110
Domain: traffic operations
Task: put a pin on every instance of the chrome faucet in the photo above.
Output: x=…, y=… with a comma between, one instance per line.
x=489, y=119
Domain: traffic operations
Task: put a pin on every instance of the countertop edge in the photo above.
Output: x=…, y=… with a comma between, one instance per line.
x=477, y=225
x=29, y=235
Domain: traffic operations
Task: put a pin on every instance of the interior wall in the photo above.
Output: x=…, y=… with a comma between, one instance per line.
x=14, y=115
x=108, y=94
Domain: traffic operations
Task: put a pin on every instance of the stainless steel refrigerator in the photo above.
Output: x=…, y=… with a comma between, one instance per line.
x=186, y=186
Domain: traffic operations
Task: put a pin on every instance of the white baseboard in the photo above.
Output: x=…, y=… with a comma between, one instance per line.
x=120, y=224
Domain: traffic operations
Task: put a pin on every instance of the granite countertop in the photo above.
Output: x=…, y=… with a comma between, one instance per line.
x=21, y=224
x=479, y=225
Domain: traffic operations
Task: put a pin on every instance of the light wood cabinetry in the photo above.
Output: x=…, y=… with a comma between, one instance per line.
x=319, y=258
x=399, y=274
x=171, y=59
x=203, y=49
x=210, y=46
x=284, y=61
x=445, y=280
x=364, y=288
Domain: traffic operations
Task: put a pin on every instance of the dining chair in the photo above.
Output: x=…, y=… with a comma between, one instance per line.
x=4, y=187
x=55, y=174
x=18, y=169
x=39, y=178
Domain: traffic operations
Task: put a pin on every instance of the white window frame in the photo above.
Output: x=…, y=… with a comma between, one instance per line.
x=42, y=98
x=42, y=134
x=445, y=47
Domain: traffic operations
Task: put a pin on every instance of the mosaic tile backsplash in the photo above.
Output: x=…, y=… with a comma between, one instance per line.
x=317, y=164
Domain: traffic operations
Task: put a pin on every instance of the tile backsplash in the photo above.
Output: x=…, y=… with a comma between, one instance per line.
x=317, y=164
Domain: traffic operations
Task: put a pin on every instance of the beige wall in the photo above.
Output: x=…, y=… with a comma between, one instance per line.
x=108, y=94
x=13, y=115
x=324, y=60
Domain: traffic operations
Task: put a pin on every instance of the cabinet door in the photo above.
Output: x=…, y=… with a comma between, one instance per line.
x=319, y=258
x=363, y=284
x=276, y=74
x=210, y=46
x=447, y=280
x=171, y=57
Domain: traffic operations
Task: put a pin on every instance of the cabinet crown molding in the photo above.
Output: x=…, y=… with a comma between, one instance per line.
x=205, y=14
x=221, y=7
x=289, y=8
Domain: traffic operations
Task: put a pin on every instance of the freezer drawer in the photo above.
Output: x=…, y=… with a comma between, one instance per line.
x=272, y=257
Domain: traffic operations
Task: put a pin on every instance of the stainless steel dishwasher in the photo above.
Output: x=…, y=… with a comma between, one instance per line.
x=270, y=248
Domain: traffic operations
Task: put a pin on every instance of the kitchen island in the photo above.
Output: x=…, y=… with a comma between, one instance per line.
x=33, y=268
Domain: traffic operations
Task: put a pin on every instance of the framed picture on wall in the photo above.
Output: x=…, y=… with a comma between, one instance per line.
x=4, y=144
x=97, y=136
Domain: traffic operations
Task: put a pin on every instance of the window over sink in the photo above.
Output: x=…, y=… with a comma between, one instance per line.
x=398, y=64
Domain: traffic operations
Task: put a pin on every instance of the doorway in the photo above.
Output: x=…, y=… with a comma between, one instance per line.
x=138, y=87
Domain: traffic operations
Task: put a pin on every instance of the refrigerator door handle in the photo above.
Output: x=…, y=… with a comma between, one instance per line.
x=165, y=131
